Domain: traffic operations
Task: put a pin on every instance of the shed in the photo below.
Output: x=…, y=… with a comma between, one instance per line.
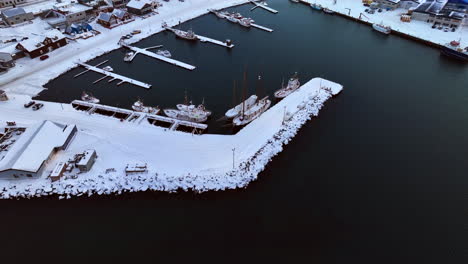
x=58, y=171
x=140, y=7
x=16, y=15
x=87, y=161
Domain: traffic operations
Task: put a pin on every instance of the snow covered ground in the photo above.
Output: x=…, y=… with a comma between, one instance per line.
x=414, y=28
x=176, y=160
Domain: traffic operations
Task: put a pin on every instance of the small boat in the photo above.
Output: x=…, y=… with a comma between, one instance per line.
x=246, y=22
x=189, y=107
x=328, y=11
x=128, y=56
x=232, y=19
x=237, y=110
x=381, y=28
x=293, y=85
x=164, y=53
x=454, y=50
x=89, y=98
x=191, y=116
x=316, y=6
x=252, y=113
x=138, y=106
x=220, y=14
x=108, y=68
x=189, y=35
x=295, y=1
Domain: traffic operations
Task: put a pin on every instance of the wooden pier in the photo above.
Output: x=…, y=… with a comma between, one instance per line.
x=114, y=76
x=206, y=39
x=138, y=117
x=262, y=27
x=263, y=6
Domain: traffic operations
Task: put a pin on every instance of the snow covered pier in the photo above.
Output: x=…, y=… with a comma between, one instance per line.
x=159, y=57
x=206, y=39
x=114, y=76
x=263, y=6
x=262, y=27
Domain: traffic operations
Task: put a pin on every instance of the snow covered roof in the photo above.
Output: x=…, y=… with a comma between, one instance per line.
x=105, y=16
x=431, y=6
x=5, y=57
x=13, y=12
x=86, y=158
x=71, y=7
x=35, y=42
x=119, y=13
x=138, y=4
x=35, y=145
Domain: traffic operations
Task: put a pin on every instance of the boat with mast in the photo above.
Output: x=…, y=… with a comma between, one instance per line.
x=382, y=28
x=138, y=106
x=237, y=109
x=293, y=85
x=189, y=107
x=89, y=98
x=189, y=112
x=248, y=115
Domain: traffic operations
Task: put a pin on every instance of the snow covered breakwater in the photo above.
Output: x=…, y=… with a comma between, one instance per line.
x=175, y=160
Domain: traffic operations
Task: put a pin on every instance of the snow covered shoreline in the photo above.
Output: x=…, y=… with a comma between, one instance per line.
x=29, y=75
x=207, y=159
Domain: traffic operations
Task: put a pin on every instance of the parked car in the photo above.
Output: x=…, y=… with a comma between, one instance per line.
x=37, y=106
x=44, y=57
x=27, y=105
x=379, y=10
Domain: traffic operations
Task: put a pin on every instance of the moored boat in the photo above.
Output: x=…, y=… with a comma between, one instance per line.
x=252, y=113
x=454, y=50
x=191, y=116
x=328, y=11
x=293, y=85
x=128, y=56
x=89, y=98
x=108, y=68
x=232, y=18
x=189, y=35
x=382, y=28
x=140, y=107
x=164, y=53
x=237, y=110
x=246, y=22
x=316, y=6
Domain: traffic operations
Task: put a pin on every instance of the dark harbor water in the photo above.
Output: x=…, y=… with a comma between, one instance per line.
x=379, y=177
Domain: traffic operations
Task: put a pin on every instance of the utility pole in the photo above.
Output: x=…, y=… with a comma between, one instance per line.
x=284, y=115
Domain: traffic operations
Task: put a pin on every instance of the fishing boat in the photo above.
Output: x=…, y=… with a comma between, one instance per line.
x=232, y=18
x=316, y=6
x=164, y=53
x=252, y=113
x=220, y=14
x=381, y=28
x=128, y=56
x=293, y=85
x=189, y=35
x=138, y=106
x=89, y=98
x=454, y=50
x=108, y=68
x=328, y=11
x=189, y=107
x=246, y=22
x=237, y=110
x=191, y=116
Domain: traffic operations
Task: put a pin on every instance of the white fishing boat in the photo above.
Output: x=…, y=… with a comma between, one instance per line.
x=293, y=85
x=138, y=106
x=108, y=68
x=328, y=11
x=237, y=110
x=89, y=98
x=246, y=22
x=191, y=116
x=252, y=113
x=232, y=19
x=164, y=53
x=382, y=28
x=129, y=56
x=189, y=35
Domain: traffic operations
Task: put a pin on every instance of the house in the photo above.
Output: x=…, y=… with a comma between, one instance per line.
x=29, y=155
x=388, y=4
x=16, y=15
x=110, y=20
x=119, y=3
x=38, y=45
x=6, y=3
x=67, y=13
x=140, y=7
x=6, y=60
x=58, y=171
x=407, y=4
x=441, y=13
x=87, y=160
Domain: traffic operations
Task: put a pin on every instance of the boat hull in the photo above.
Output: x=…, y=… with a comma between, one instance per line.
x=239, y=121
x=381, y=30
x=454, y=54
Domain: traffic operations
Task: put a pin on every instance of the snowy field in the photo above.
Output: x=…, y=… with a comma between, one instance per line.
x=414, y=28
x=176, y=160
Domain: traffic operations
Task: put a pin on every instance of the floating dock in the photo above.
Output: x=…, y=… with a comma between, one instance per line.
x=114, y=76
x=159, y=57
x=206, y=39
x=263, y=6
x=262, y=27
x=138, y=117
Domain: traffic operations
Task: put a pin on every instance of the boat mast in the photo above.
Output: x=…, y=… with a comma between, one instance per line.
x=234, y=94
x=243, y=94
